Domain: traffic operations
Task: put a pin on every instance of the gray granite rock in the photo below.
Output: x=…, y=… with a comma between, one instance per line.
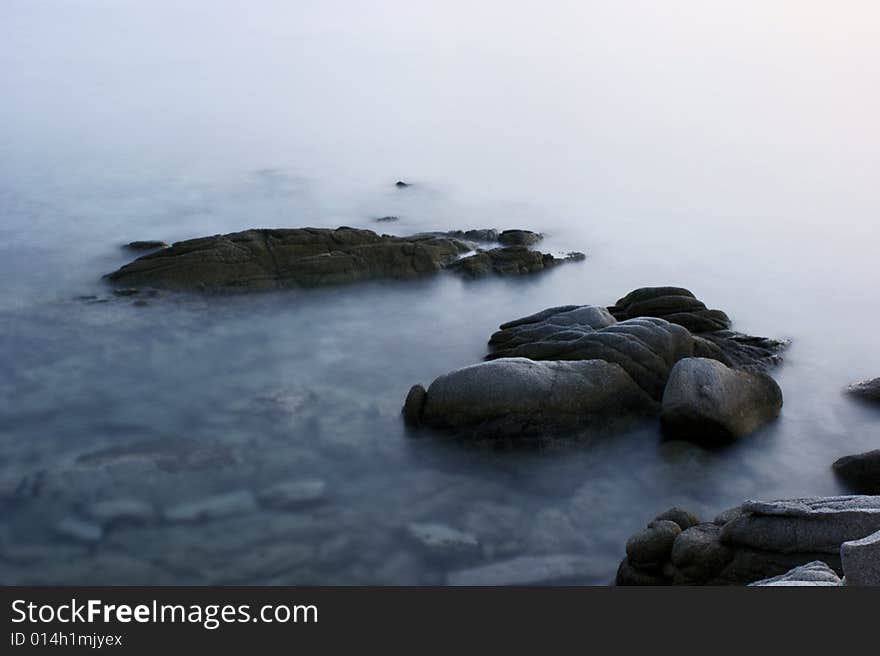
x=650, y=548
x=517, y=396
x=813, y=524
x=815, y=573
x=708, y=402
x=861, y=560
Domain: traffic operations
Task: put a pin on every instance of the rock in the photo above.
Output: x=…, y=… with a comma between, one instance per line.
x=308, y=257
x=645, y=348
x=707, y=402
x=528, y=570
x=509, y=261
x=650, y=548
x=760, y=540
x=861, y=560
x=675, y=304
x=815, y=573
x=627, y=574
x=79, y=530
x=121, y=510
x=698, y=554
x=713, y=339
x=866, y=389
x=146, y=245
x=680, y=516
x=815, y=524
x=516, y=396
x=221, y=505
x=387, y=219
x=412, y=407
x=519, y=237
x=400, y=184
x=290, y=495
x=860, y=472
x=442, y=538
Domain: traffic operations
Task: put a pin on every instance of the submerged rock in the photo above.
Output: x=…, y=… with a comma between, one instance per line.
x=79, y=530
x=400, y=184
x=440, y=538
x=760, y=540
x=815, y=573
x=221, y=505
x=517, y=396
x=387, y=219
x=866, y=389
x=528, y=570
x=146, y=245
x=707, y=402
x=263, y=259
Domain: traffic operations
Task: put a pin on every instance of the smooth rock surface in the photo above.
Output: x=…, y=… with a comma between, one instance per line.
x=517, y=396
x=815, y=573
x=708, y=402
x=651, y=547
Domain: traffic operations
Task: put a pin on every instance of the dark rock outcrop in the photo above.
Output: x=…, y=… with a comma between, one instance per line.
x=719, y=402
x=509, y=261
x=705, y=401
x=868, y=390
x=517, y=397
x=519, y=237
x=760, y=540
x=146, y=245
x=306, y=257
x=861, y=472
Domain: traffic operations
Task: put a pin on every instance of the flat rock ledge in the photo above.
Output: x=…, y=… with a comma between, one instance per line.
x=265, y=259
x=572, y=366
x=761, y=540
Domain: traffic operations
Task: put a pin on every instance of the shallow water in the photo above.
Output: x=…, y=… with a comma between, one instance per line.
x=735, y=156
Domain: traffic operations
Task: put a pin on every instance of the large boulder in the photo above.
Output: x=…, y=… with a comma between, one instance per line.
x=517, y=396
x=861, y=472
x=306, y=257
x=706, y=401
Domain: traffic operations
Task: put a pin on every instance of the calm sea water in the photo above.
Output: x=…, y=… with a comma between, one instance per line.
x=730, y=150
